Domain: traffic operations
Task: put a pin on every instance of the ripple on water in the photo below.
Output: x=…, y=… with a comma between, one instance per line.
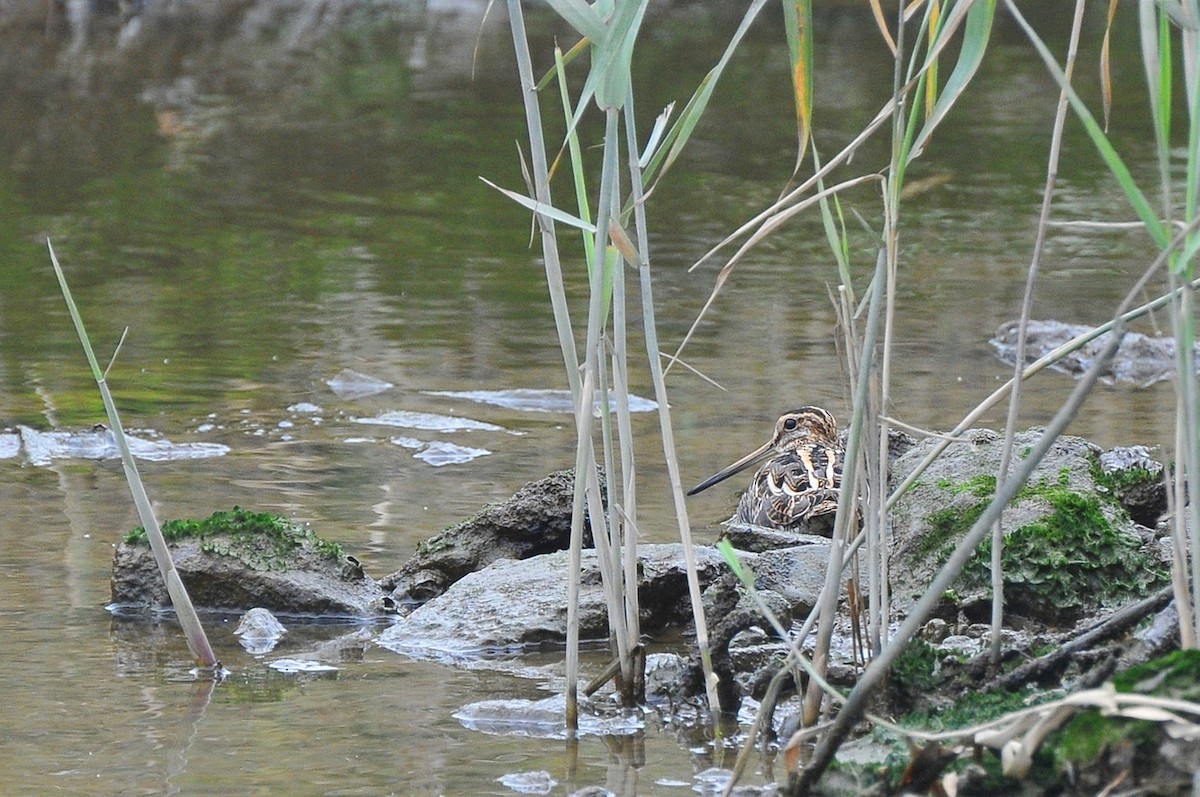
x=439, y=453
x=352, y=384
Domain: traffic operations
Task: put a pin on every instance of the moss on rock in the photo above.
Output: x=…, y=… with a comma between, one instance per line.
x=259, y=539
x=1070, y=545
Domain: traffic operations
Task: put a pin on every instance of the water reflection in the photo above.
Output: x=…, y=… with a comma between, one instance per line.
x=285, y=207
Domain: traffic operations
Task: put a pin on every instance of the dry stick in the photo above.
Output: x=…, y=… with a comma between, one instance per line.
x=856, y=702
x=193, y=631
x=846, y=498
x=624, y=538
x=1186, y=418
x=608, y=544
x=626, y=513
x=1176, y=499
x=1014, y=402
x=633, y=604
x=876, y=559
x=566, y=338
x=594, y=366
x=664, y=420
x=767, y=227
x=608, y=554
x=877, y=541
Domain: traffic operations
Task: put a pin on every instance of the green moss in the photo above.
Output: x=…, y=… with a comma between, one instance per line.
x=973, y=708
x=1176, y=675
x=1089, y=733
x=981, y=486
x=946, y=527
x=915, y=670
x=261, y=540
x=1071, y=558
x=1124, y=479
x=1075, y=556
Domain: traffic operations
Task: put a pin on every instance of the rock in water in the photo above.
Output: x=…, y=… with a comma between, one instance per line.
x=239, y=559
x=536, y=520
x=1070, y=544
x=259, y=630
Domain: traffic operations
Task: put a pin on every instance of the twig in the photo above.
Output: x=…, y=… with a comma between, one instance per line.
x=1116, y=623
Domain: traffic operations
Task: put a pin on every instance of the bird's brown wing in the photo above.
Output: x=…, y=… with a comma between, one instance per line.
x=794, y=486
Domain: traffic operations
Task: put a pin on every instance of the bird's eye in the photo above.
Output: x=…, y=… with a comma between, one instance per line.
x=789, y=424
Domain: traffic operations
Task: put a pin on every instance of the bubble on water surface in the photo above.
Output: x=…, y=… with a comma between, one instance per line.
x=352, y=384
x=539, y=782
x=438, y=454
x=534, y=400
x=544, y=719
x=428, y=421
x=42, y=448
x=10, y=445
x=300, y=665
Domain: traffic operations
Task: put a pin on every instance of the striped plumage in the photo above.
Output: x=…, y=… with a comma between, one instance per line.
x=801, y=477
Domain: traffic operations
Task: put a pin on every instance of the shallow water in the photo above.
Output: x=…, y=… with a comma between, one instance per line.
x=315, y=279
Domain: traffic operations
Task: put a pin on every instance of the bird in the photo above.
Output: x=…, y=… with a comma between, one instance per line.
x=801, y=473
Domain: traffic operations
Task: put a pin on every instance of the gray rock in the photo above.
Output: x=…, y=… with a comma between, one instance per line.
x=797, y=574
x=1137, y=482
x=515, y=605
x=259, y=630
x=1070, y=546
x=1140, y=360
x=286, y=571
x=536, y=520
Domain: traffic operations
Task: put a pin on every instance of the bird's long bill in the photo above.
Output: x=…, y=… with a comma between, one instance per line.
x=750, y=459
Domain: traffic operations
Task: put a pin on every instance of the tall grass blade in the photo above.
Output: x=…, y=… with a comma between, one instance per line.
x=797, y=19
x=1106, y=89
x=975, y=40
x=649, y=325
x=549, y=211
x=1137, y=200
x=193, y=630
x=881, y=23
x=931, y=75
x=581, y=16
x=566, y=338
x=682, y=130
x=1010, y=427
x=613, y=57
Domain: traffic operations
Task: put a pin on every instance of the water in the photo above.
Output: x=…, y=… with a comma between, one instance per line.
x=265, y=220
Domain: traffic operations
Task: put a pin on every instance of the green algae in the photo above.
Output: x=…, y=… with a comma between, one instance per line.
x=1089, y=734
x=1071, y=558
x=260, y=539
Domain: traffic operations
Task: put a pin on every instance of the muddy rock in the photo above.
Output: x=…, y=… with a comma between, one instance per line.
x=1140, y=360
x=536, y=520
x=515, y=605
x=1070, y=545
x=1136, y=480
x=238, y=560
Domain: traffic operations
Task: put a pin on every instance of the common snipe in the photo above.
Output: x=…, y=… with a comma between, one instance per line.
x=799, y=480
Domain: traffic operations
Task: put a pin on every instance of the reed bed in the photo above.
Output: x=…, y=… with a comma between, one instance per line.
x=926, y=87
